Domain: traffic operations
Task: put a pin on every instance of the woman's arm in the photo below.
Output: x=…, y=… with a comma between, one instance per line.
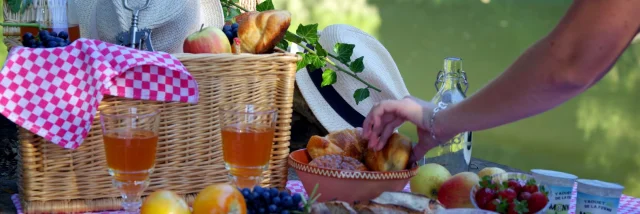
x=576, y=54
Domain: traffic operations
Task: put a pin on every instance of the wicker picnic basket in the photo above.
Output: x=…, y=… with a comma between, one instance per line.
x=189, y=156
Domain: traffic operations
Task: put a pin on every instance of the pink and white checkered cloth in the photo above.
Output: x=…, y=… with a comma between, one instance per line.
x=628, y=204
x=55, y=92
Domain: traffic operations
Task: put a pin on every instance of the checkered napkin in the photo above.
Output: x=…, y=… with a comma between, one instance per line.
x=55, y=92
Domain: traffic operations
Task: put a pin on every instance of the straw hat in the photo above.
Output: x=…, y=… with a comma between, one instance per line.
x=334, y=106
x=170, y=20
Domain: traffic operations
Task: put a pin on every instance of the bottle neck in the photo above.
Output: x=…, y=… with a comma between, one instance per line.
x=452, y=74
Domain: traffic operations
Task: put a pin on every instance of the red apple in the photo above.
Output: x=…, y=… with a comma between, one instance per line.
x=207, y=40
x=455, y=191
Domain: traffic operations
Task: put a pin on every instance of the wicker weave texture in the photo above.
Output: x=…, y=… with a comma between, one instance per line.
x=189, y=155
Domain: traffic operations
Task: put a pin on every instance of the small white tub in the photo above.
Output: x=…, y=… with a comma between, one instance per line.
x=559, y=185
x=596, y=196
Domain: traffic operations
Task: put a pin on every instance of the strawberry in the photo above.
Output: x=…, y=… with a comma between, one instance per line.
x=523, y=196
x=507, y=194
x=531, y=186
x=483, y=196
x=518, y=207
x=492, y=205
x=537, y=201
x=515, y=185
x=501, y=206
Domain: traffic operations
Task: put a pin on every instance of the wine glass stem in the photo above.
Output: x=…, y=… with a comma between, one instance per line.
x=131, y=203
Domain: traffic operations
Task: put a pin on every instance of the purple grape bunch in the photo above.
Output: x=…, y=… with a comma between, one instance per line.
x=271, y=200
x=45, y=39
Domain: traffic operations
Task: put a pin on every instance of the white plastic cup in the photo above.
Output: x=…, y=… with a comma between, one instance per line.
x=559, y=185
x=596, y=196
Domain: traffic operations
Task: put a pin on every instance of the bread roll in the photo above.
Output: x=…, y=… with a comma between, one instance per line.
x=338, y=162
x=348, y=142
x=260, y=32
x=393, y=157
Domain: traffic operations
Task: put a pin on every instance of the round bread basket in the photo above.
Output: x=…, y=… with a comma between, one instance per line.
x=346, y=185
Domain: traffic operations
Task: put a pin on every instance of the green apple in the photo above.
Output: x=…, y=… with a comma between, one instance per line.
x=429, y=179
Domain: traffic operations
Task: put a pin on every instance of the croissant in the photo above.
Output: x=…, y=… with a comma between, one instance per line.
x=393, y=157
x=260, y=32
x=350, y=142
x=347, y=142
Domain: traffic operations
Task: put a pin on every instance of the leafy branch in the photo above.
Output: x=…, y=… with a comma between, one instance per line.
x=18, y=6
x=316, y=57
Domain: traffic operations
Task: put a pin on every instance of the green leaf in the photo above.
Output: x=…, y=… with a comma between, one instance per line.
x=320, y=50
x=232, y=13
x=315, y=61
x=357, y=65
x=14, y=5
x=236, y=1
x=308, y=32
x=344, y=52
x=283, y=44
x=292, y=37
x=360, y=94
x=265, y=5
x=328, y=77
x=303, y=62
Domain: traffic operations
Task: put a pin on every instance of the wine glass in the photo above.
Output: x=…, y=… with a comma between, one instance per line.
x=130, y=135
x=247, y=139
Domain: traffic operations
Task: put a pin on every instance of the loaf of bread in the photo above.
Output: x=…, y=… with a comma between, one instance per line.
x=347, y=142
x=338, y=162
x=260, y=32
x=393, y=157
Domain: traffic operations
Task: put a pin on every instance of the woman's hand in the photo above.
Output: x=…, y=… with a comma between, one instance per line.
x=386, y=116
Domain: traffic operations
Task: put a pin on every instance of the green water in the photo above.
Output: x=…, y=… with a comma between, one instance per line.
x=593, y=136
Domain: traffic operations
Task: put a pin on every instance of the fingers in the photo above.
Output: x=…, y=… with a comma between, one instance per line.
x=387, y=132
x=425, y=143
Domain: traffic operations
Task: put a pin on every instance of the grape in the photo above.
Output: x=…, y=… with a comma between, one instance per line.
x=52, y=44
x=63, y=35
x=261, y=210
x=226, y=28
x=53, y=34
x=43, y=33
x=258, y=189
x=246, y=193
x=234, y=26
x=273, y=208
x=276, y=200
x=284, y=212
x=27, y=36
x=287, y=201
x=273, y=192
x=255, y=195
x=297, y=198
x=284, y=194
x=58, y=40
x=39, y=43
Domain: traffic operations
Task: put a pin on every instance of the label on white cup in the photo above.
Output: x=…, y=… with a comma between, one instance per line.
x=560, y=198
x=591, y=204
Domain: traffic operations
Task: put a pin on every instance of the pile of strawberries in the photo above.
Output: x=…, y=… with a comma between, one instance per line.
x=511, y=197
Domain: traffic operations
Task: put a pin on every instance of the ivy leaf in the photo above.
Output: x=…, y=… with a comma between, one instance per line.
x=232, y=13
x=320, y=50
x=303, y=62
x=292, y=37
x=357, y=65
x=360, y=94
x=328, y=77
x=315, y=62
x=236, y=1
x=14, y=5
x=308, y=32
x=283, y=44
x=265, y=5
x=344, y=52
